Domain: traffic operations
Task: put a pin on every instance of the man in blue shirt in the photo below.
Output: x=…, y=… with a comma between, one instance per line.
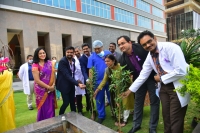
x=25, y=74
x=97, y=60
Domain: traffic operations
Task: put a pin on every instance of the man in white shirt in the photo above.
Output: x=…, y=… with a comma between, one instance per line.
x=78, y=91
x=168, y=62
x=25, y=74
x=78, y=52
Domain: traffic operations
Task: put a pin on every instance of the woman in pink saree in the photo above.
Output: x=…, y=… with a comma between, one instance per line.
x=44, y=82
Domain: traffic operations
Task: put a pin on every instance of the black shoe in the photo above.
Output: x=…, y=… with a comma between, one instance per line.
x=88, y=109
x=152, y=130
x=194, y=122
x=100, y=120
x=133, y=130
x=30, y=108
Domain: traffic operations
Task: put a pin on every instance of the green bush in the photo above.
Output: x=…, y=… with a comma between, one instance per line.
x=191, y=84
x=190, y=46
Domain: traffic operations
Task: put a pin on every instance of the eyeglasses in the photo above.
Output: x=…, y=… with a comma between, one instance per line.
x=145, y=44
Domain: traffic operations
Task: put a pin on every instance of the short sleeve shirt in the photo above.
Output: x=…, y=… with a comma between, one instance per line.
x=99, y=64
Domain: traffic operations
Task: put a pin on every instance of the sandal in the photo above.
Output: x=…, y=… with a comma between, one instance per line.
x=123, y=124
x=116, y=123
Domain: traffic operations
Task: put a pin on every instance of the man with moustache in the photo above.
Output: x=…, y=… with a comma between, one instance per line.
x=85, y=71
x=78, y=52
x=133, y=58
x=66, y=82
x=168, y=61
x=97, y=60
x=112, y=48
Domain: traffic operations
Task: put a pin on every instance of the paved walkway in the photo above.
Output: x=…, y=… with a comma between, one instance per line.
x=17, y=86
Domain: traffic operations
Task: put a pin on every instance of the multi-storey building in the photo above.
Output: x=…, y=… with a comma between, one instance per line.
x=55, y=24
x=181, y=15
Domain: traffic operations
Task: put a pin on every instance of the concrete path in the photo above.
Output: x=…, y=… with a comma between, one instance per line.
x=17, y=86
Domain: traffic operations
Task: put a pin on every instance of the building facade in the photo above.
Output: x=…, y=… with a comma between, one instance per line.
x=54, y=24
x=181, y=15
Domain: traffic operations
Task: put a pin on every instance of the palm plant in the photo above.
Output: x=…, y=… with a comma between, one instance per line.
x=190, y=46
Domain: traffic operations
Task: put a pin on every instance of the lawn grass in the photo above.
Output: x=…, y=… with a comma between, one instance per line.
x=24, y=116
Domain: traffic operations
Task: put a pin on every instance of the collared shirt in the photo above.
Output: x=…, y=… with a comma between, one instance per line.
x=88, y=56
x=99, y=64
x=134, y=61
x=30, y=75
x=155, y=58
x=114, y=54
x=71, y=65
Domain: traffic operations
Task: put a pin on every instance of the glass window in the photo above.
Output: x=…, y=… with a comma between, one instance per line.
x=97, y=11
x=101, y=12
x=96, y=8
x=73, y=5
x=128, y=2
x=93, y=10
x=124, y=16
x=84, y=8
x=108, y=16
x=49, y=2
x=143, y=6
x=189, y=20
x=35, y=1
x=68, y=4
x=157, y=12
x=158, y=26
x=88, y=9
x=42, y=1
x=159, y=1
x=96, y=3
x=144, y=22
x=62, y=4
x=55, y=3
x=88, y=1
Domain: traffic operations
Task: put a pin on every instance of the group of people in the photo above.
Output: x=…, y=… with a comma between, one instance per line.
x=155, y=67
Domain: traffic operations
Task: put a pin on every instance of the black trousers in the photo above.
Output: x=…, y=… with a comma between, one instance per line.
x=79, y=103
x=140, y=94
x=173, y=113
x=68, y=99
x=113, y=105
x=88, y=102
